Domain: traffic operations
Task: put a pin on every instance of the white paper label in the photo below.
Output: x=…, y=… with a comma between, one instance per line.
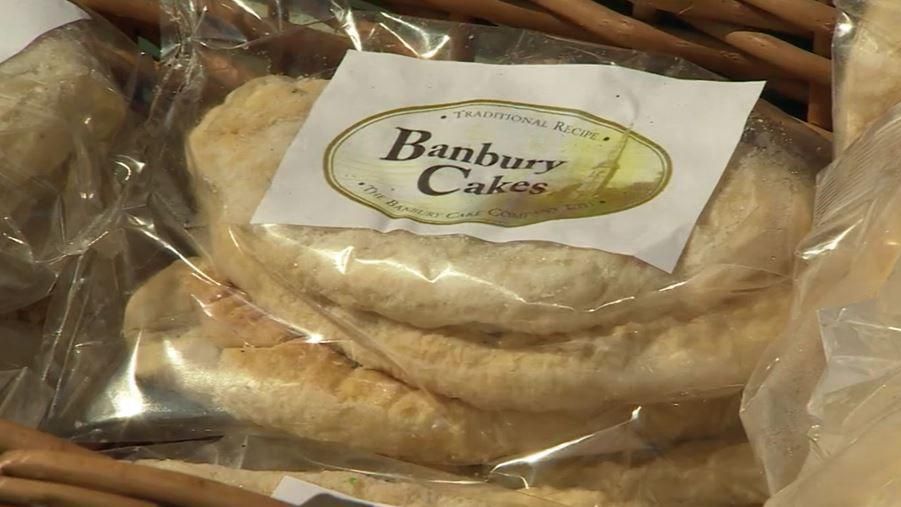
x=590, y=156
x=23, y=21
x=305, y=494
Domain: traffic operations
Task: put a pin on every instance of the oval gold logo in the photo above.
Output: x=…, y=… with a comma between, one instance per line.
x=494, y=162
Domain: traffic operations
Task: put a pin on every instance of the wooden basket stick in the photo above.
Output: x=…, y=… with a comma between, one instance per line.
x=781, y=84
x=502, y=13
x=627, y=32
x=819, y=110
x=107, y=476
x=36, y=492
x=808, y=14
x=144, y=11
x=730, y=11
x=15, y=436
x=782, y=55
x=644, y=10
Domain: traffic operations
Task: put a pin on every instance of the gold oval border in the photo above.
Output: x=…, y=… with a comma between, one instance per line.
x=328, y=157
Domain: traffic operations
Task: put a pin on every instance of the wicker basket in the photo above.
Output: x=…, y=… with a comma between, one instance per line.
x=786, y=42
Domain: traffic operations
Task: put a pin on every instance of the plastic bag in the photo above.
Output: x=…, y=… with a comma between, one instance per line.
x=456, y=286
x=64, y=110
x=820, y=408
x=63, y=106
x=866, y=49
x=186, y=321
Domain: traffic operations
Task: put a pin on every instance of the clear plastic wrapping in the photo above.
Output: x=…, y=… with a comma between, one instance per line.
x=24, y=397
x=821, y=407
x=64, y=111
x=867, y=51
x=63, y=105
x=531, y=364
x=260, y=463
